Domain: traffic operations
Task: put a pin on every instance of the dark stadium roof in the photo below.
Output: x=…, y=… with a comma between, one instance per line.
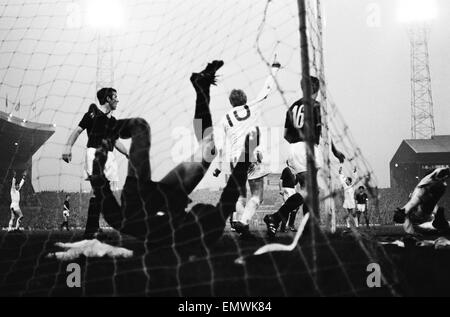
x=19, y=140
x=437, y=144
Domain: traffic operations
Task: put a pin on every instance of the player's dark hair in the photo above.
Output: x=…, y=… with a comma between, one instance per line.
x=350, y=179
x=361, y=187
x=315, y=84
x=238, y=98
x=104, y=93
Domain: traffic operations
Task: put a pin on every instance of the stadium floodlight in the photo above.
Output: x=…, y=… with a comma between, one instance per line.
x=418, y=15
x=417, y=11
x=105, y=14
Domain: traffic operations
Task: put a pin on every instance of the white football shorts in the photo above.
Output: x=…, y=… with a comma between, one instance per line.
x=297, y=157
x=349, y=204
x=361, y=207
x=111, y=169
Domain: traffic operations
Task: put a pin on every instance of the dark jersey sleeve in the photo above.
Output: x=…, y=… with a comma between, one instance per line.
x=318, y=121
x=288, y=121
x=290, y=133
x=284, y=174
x=86, y=121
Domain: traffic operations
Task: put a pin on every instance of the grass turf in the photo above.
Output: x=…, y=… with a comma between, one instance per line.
x=340, y=268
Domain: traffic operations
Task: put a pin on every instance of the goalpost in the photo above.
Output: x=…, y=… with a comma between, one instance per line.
x=312, y=36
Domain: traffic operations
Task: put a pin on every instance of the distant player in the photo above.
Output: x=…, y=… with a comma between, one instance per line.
x=154, y=212
x=295, y=135
x=362, y=200
x=288, y=182
x=349, y=197
x=233, y=128
x=99, y=124
x=422, y=213
x=66, y=213
x=16, y=212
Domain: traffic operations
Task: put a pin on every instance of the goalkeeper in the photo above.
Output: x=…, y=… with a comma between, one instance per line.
x=422, y=212
x=155, y=211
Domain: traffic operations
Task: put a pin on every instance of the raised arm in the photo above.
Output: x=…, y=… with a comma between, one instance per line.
x=268, y=84
x=355, y=175
x=342, y=178
x=22, y=182
x=13, y=182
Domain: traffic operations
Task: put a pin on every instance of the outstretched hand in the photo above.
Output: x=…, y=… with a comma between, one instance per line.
x=90, y=249
x=276, y=63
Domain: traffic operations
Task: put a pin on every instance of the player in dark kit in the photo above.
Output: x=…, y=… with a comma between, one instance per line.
x=361, y=204
x=295, y=135
x=99, y=124
x=66, y=213
x=155, y=211
x=422, y=212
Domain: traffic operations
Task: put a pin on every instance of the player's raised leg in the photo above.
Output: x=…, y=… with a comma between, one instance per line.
x=187, y=175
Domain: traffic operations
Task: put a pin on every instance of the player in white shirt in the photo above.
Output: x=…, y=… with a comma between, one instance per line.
x=233, y=128
x=16, y=213
x=349, y=196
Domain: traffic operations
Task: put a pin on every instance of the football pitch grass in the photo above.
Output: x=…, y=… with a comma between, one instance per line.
x=341, y=267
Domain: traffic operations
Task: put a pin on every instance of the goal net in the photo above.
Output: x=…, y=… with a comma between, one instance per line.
x=55, y=55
